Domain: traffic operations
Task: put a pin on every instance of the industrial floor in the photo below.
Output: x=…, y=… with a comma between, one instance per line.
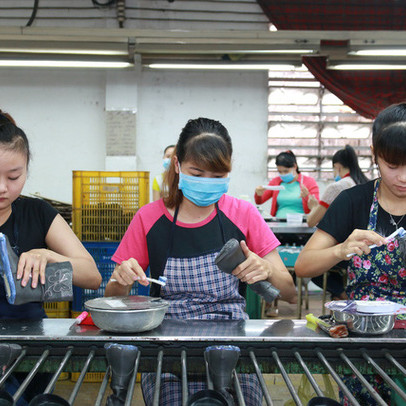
x=279, y=392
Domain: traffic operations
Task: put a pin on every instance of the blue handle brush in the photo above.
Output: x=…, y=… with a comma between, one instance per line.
x=5, y=269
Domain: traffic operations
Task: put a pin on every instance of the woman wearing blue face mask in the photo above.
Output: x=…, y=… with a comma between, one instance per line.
x=157, y=184
x=297, y=188
x=179, y=237
x=347, y=173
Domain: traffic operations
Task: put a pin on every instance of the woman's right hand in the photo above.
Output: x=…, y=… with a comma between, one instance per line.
x=358, y=242
x=259, y=190
x=312, y=202
x=128, y=272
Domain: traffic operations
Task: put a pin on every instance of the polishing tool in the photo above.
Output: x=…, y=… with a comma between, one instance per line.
x=231, y=256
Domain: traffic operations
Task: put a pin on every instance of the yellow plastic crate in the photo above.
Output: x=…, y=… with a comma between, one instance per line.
x=105, y=202
x=57, y=306
x=57, y=310
x=89, y=377
x=64, y=376
x=94, y=377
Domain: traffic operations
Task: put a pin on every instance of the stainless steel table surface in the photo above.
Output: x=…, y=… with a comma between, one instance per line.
x=289, y=228
x=249, y=332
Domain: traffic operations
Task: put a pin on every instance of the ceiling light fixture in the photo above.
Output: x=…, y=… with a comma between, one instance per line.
x=17, y=60
x=66, y=51
x=379, y=52
x=379, y=65
x=18, y=63
x=273, y=51
x=219, y=66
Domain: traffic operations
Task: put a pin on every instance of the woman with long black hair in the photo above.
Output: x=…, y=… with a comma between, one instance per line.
x=347, y=173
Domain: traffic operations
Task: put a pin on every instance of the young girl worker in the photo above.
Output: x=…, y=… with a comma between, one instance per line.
x=38, y=235
x=36, y=231
x=347, y=173
x=364, y=215
x=179, y=237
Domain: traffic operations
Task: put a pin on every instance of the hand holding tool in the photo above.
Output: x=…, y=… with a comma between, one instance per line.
x=402, y=234
x=231, y=256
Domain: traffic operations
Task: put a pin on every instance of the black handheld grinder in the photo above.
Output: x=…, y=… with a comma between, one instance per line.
x=231, y=256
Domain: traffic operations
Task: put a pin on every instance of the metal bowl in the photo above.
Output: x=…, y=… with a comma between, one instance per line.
x=368, y=324
x=131, y=314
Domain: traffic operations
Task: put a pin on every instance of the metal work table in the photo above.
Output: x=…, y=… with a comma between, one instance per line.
x=177, y=346
x=243, y=331
x=281, y=227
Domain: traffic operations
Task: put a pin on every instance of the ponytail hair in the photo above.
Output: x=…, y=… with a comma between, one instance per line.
x=348, y=158
x=287, y=159
x=6, y=118
x=13, y=138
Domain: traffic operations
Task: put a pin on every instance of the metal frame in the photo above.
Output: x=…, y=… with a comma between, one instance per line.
x=281, y=347
x=175, y=45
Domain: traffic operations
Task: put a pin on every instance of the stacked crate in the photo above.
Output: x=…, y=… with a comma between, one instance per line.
x=57, y=310
x=104, y=204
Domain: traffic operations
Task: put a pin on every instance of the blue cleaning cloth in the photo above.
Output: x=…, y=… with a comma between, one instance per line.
x=5, y=270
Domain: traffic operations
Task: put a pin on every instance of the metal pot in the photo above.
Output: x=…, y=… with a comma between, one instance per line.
x=129, y=314
x=367, y=324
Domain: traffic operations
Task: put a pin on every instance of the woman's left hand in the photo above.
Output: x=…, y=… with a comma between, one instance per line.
x=31, y=265
x=254, y=268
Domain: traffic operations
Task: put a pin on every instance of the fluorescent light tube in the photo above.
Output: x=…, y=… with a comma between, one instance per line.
x=272, y=51
x=359, y=66
x=213, y=66
x=65, y=51
x=379, y=52
x=63, y=64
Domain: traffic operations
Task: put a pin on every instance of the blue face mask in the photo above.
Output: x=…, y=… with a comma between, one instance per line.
x=166, y=162
x=337, y=178
x=287, y=178
x=202, y=191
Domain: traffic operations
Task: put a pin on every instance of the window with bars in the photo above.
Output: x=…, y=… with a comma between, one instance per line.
x=309, y=120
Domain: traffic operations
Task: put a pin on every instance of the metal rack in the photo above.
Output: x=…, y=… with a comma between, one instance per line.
x=280, y=347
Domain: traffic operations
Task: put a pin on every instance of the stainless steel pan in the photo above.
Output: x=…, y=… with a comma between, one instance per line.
x=130, y=314
x=367, y=324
